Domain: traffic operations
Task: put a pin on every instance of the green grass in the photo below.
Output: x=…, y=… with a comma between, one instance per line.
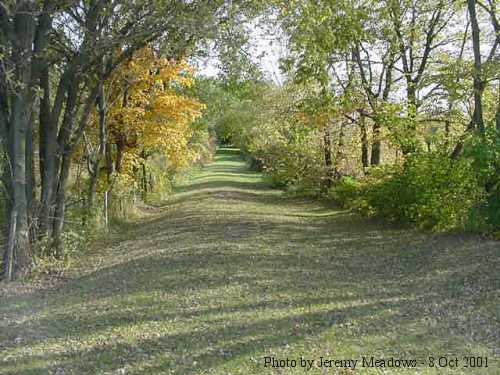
x=230, y=271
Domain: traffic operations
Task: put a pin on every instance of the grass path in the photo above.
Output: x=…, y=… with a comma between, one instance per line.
x=231, y=271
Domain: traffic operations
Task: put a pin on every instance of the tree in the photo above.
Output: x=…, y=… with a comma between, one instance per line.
x=66, y=50
x=150, y=114
x=17, y=73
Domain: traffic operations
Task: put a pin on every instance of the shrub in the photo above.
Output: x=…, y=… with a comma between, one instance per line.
x=484, y=151
x=429, y=190
x=346, y=192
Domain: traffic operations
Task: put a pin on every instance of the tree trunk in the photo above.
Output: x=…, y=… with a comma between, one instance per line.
x=410, y=141
x=109, y=164
x=20, y=116
x=340, y=151
x=364, y=143
x=92, y=189
x=477, y=116
x=144, y=182
x=376, y=145
x=94, y=173
x=119, y=157
x=30, y=181
x=49, y=120
x=447, y=124
x=61, y=169
x=60, y=206
x=17, y=158
x=67, y=145
x=327, y=149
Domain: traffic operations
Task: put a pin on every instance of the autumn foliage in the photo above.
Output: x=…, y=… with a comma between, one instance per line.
x=149, y=116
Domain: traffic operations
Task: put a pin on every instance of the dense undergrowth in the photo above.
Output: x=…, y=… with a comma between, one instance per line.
x=426, y=190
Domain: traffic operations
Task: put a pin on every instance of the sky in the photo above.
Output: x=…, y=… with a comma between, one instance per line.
x=266, y=49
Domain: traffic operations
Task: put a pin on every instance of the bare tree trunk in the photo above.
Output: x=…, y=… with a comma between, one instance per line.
x=119, y=157
x=94, y=175
x=144, y=182
x=410, y=144
x=364, y=143
x=60, y=206
x=447, y=125
x=109, y=163
x=92, y=189
x=67, y=146
x=340, y=151
x=30, y=181
x=376, y=145
x=21, y=240
x=49, y=120
x=41, y=77
x=20, y=116
x=11, y=243
x=327, y=150
x=477, y=116
x=61, y=169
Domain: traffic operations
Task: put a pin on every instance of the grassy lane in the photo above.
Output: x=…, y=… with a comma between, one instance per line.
x=231, y=271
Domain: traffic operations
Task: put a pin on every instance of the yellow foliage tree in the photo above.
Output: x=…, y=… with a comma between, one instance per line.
x=148, y=114
x=149, y=132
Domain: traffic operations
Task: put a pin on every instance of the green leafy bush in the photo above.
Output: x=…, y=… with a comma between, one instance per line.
x=347, y=193
x=430, y=190
x=484, y=151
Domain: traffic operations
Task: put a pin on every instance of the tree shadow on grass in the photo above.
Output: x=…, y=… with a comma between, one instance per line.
x=221, y=185
x=195, y=351
x=357, y=283
x=230, y=274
